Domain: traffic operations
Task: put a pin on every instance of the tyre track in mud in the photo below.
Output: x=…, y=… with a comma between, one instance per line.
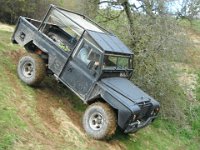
x=62, y=125
x=33, y=135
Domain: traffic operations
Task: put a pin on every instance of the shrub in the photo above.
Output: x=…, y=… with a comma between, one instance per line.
x=157, y=44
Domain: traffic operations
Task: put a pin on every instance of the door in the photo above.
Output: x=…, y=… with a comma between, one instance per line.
x=82, y=70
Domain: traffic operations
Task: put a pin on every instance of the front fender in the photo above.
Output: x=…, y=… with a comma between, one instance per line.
x=124, y=107
x=123, y=112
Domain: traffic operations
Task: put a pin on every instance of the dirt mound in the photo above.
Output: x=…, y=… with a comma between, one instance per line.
x=59, y=116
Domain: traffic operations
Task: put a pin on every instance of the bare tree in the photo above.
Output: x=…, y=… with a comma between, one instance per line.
x=189, y=9
x=88, y=7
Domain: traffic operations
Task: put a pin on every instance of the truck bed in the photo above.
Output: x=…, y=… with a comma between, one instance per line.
x=26, y=34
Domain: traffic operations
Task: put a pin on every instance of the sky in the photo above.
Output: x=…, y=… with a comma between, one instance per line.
x=104, y=5
x=172, y=6
x=175, y=5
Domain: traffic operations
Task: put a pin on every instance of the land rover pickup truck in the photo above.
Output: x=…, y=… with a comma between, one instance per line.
x=92, y=62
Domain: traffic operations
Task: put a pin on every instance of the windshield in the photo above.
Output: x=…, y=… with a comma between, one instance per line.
x=117, y=62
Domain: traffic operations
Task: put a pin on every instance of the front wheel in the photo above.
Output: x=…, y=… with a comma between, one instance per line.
x=31, y=69
x=99, y=121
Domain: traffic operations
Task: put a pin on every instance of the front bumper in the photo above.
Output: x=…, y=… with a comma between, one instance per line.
x=133, y=127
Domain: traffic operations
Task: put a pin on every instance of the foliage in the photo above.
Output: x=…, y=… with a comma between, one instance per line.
x=12, y=9
x=9, y=120
x=160, y=136
x=189, y=9
x=156, y=43
x=195, y=25
x=198, y=89
x=88, y=7
x=159, y=44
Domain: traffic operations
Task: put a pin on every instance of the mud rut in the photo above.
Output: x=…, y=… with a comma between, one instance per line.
x=51, y=119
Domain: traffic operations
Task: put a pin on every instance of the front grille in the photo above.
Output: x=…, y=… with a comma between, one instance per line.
x=145, y=109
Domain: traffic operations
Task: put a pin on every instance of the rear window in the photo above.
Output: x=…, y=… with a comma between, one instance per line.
x=117, y=62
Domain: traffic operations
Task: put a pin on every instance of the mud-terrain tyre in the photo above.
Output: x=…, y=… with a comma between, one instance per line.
x=31, y=69
x=99, y=121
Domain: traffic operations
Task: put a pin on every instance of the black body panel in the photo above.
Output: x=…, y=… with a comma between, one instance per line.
x=127, y=89
x=109, y=43
x=128, y=99
x=77, y=77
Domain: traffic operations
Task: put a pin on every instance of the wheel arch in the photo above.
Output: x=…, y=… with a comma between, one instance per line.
x=33, y=48
x=103, y=127
x=122, y=112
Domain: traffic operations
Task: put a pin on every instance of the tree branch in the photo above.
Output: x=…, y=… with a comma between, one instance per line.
x=110, y=18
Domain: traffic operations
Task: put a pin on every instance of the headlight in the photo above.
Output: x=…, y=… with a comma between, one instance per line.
x=155, y=111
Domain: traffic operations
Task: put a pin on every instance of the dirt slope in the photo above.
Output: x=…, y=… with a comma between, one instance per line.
x=51, y=119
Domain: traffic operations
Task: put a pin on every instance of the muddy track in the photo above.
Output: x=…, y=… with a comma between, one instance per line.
x=48, y=97
x=54, y=123
x=33, y=135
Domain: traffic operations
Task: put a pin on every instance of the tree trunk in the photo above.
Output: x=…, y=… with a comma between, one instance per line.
x=130, y=21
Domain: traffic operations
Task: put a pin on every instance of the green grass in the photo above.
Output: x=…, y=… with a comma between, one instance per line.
x=9, y=120
x=8, y=116
x=194, y=24
x=198, y=88
x=5, y=42
x=195, y=115
x=161, y=135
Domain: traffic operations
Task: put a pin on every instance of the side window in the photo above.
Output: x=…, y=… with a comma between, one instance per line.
x=89, y=55
x=84, y=53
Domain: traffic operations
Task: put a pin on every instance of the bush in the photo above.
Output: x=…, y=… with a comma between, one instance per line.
x=157, y=44
x=12, y=9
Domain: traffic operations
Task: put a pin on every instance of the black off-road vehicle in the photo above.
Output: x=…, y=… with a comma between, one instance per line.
x=92, y=62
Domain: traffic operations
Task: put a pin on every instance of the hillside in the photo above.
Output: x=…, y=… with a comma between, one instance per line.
x=49, y=116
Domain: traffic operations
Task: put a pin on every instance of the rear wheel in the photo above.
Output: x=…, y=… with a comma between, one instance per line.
x=99, y=121
x=31, y=69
